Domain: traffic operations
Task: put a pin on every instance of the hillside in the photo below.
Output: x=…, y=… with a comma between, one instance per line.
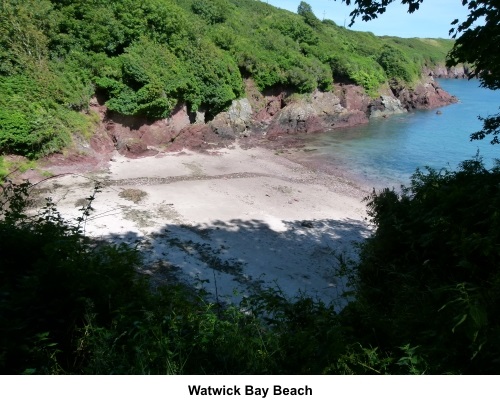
x=148, y=59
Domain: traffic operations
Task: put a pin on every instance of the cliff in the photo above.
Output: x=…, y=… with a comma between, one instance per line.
x=259, y=118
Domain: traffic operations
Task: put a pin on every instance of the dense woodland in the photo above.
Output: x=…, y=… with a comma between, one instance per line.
x=143, y=58
x=425, y=294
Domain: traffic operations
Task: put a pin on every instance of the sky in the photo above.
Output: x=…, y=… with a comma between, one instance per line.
x=432, y=20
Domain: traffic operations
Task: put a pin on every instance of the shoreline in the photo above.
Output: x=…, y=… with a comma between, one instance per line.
x=234, y=221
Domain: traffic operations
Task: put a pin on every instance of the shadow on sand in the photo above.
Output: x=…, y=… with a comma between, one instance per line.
x=230, y=259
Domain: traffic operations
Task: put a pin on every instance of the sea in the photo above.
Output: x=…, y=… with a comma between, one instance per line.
x=387, y=151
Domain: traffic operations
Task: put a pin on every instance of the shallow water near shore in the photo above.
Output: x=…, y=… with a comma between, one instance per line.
x=386, y=152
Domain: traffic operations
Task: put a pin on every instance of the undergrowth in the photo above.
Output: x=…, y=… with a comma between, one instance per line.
x=424, y=299
x=74, y=306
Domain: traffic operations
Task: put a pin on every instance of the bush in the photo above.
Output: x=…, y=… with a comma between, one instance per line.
x=427, y=297
x=152, y=81
x=48, y=294
x=430, y=275
x=360, y=70
x=148, y=56
x=305, y=11
x=212, y=11
x=294, y=28
x=395, y=64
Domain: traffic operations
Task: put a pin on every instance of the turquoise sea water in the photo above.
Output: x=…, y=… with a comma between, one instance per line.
x=387, y=151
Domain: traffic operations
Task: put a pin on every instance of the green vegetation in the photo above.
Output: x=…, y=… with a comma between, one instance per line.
x=425, y=294
x=429, y=276
x=425, y=297
x=143, y=58
x=477, y=45
x=75, y=306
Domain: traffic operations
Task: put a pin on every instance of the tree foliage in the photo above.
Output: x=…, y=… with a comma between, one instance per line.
x=144, y=58
x=305, y=10
x=426, y=296
x=429, y=276
x=395, y=64
x=370, y=9
x=479, y=45
x=74, y=306
x=212, y=11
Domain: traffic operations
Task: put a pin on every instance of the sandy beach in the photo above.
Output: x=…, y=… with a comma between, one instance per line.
x=233, y=221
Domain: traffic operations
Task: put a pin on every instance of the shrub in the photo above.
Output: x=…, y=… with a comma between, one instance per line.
x=429, y=276
x=395, y=64
x=212, y=11
x=360, y=70
x=48, y=294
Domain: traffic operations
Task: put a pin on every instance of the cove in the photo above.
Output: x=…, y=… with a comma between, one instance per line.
x=387, y=151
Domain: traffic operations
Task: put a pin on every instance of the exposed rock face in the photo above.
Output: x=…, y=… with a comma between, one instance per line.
x=320, y=113
x=268, y=106
x=139, y=137
x=179, y=119
x=294, y=118
x=426, y=95
x=235, y=121
x=101, y=142
x=353, y=97
x=240, y=114
x=455, y=72
x=385, y=106
x=199, y=117
x=199, y=137
x=271, y=115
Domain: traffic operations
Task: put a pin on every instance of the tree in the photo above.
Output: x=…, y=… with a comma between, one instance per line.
x=477, y=44
x=395, y=64
x=212, y=12
x=305, y=10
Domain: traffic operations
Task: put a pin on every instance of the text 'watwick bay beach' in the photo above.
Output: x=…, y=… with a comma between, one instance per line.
x=277, y=390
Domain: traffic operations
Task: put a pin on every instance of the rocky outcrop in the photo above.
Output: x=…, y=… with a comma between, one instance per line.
x=134, y=136
x=270, y=115
x=443, y=72
x=294, y=118
x=321, y=112
x=266, y=106
x=385, y=106
x=237, y=120
x=199, y=137
x=353, y=97
x=426, y=95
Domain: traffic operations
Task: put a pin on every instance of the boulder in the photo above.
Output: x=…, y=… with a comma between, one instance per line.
x=199, y=137
x=353, y=97
x=298, y=117
x=233, y=122
x=385, y=106
x=240, y=114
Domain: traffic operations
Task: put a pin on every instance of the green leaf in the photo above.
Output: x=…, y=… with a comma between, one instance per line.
x=462, y=320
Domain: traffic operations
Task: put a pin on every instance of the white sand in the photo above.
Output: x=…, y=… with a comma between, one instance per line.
x=235, y=221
